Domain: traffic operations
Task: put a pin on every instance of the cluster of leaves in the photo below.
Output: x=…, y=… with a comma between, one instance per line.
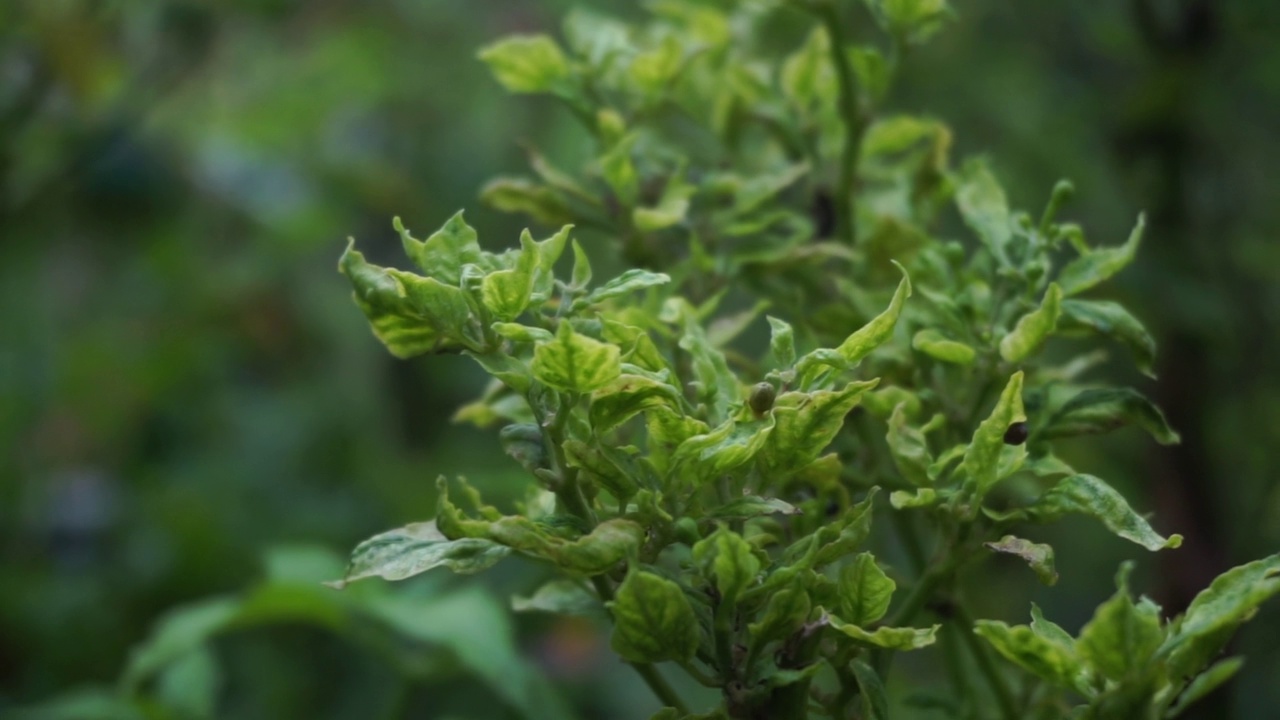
x=713, y=499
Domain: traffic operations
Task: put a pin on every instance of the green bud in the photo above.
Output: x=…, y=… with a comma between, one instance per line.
x=687, y=530
x=762, y=397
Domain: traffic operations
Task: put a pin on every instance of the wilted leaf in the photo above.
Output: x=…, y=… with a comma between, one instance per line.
x=1037, y=555
x=886, y=637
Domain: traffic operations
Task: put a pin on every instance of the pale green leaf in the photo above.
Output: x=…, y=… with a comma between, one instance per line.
x=653, y=620
x=865, y=590
x=805, y=424
x=937, y=346
x=620, y=173
x=576, y=363
x=442, y=255
x=752, y=506
x=873, y=334
x=984, y=208
x=1047, y=658
x=1122, y=636
x=561, y=597
x=982, y=459
x=924, y=497
x=1033, y=328
x=506, y=292
x=1100, y=264
x=886, y=637
x=782, y=342
x=527, y=63
x=1217, y=611
x=416, y=548
x=627, y=282
x=519, y=195
x=1038, y=556
x=1088, y=495
x=627, y=395
x=909, y=448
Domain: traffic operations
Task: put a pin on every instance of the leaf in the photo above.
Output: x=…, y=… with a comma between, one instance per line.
x=1098, y=265
x=937, y=346
x=1122, y=636
x=1205, y=683
x=909, y=448
x=875, y=702
x=1037, y=555
x=873, y=334
x=620, y=173
x=1114, y=321
x=805, y=424
x=397, y=322
x=604, y=466
x=627, y=282
x=924, y=497
x=549, y=251
x=1046, y=658
x=1033, y=328
x=625, y=397
x=724, y=449
x=744, y=508
x=575, y=363
x=442, y=255
x=886, y=637
x=982, y=459
x=1088, y=495
x=807, y=74
x=787, y=610
x=581, y=275
x=519, y=195
x=521, y=333
x=414, y=549
x=984, y=208
x=1218, y=610
x=912, y=20
x=782, y=342
x=653, y=620
x=1101, y=410
x=561, y=597
x=506, y=292
x=670, y=210
x=717, y=385
x=527, y=63
x=727, y=558
x=652, y=71
x=865, y=590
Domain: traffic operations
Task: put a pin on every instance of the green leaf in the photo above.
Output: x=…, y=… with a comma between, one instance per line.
x=416, y=548
x=744, y=508
x=873, y=334
x=937, y=346
x=1033, y=328
x=1088, y=495
x=724, y=449
x=727, y=558
x=924, y=497
x=909, y=448
x=982, y=459
x=1047, y=658
x=1114, y=321
x=561, y=597
x=603, y=466
x=527, y=63
x=787, y=610
x=1102, y=410
x=984, y=208
x=653, y=620
x=653, y=70
x=575, y=363
x=716, y=384
x=627, y=282
x=865, y=590
x=625, y=397
x=549, y=251
x=1217, y=611
x=805, y=424
x=620, y=173
x=670, y=210
x=807, y=74
x=524, y=443
x=782, y=342
x=442, y=255
x=1122, y=636
x=886, y=637
x=875, y=702
x=1037, y=555
x=1205, y=683
x=519, y=195
x=581, y=275
x=1098, y=265
x=911, y=20
x=872, y=70
x=506, y=292
x=522, y=333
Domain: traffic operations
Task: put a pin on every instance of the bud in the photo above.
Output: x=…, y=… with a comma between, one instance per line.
x=762, y=396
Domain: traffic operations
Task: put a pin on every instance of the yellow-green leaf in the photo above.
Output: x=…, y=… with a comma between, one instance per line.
x=575, y=363
x=1033, y=328
x=1100, y=264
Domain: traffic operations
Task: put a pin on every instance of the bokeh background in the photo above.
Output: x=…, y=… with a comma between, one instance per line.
x=189, y=402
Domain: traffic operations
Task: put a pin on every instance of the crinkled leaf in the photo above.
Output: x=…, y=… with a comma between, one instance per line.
x=727, y=558
x=506, y=292
x=982, y=459
x=1100, y=264
x=787, y=610
x=561, y=597
x=1102, y=410
x=627, y=395
x=1113, y=320
x=627, y=282
x=416, y=548
x=909, y=448
x=1088, y=495
x=1039, y=556
x=1122, y=636
x=937, y=346
x=865, y=590
x=1033, y=328
x=806, y=423
x=1044, y=657
x=653, y=620
x=782, y=342
x=576, y=363
x=527, y=63
x=442, y=255
x=886, y=637
x=724, y=449
x=984, y=208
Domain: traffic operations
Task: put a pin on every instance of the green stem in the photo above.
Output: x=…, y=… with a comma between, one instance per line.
x=982, y=654
x=854, y=123
x=660, y=687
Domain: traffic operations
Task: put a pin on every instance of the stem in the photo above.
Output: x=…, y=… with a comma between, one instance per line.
x=854, y=124
x=660, y=687
x=981, y=653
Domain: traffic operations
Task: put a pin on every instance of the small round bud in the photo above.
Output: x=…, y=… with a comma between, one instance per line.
x=687, y=531
x=762, y=396
x=1016, y=434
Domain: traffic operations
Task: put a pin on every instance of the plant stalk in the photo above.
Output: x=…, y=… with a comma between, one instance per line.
x=854, y=122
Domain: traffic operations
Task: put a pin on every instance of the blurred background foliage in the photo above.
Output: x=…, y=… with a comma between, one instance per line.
x=190, y=403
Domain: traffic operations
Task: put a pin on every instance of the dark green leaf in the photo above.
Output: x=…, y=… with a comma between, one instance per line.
x=653, y=620
x=1113, y=320
x=1104, y=409
x=875, y=702
x=727, y=558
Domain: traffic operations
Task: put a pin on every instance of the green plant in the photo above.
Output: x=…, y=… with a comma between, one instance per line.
x=713, y=495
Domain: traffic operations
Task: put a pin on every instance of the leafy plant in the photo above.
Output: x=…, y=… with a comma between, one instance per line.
x=713, y=495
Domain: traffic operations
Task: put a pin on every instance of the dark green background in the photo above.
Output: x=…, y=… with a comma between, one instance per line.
x=184, y=382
